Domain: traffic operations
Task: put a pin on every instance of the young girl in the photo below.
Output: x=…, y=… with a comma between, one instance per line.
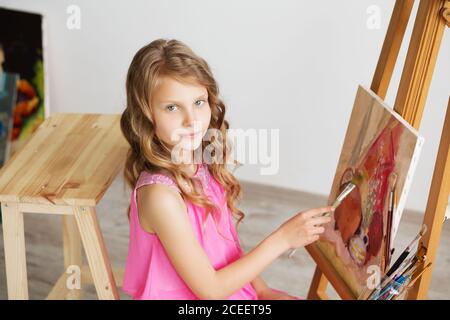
x=183, y=241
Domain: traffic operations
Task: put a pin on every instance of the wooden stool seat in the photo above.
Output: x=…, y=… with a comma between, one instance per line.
x=65, y=168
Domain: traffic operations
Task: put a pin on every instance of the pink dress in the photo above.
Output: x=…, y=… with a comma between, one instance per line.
x=149, y=273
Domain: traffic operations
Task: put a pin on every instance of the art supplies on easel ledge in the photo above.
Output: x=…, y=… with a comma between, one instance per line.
x=401, y=276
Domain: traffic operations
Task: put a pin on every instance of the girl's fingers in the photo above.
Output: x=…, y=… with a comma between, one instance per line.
x=318, y=211
x=319, y=220
x=318, y=230
x=313, y=238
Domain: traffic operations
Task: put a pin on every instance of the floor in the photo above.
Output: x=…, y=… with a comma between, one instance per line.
x=265, y=208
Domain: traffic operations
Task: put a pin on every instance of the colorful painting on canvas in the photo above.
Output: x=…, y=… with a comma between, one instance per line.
x=379, y=154
x=21, y=36
x=8, y=93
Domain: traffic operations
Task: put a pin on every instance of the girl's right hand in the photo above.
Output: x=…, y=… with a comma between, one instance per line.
x=304, y=228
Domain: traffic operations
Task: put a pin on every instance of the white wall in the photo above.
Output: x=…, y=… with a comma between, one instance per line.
x=293, y=65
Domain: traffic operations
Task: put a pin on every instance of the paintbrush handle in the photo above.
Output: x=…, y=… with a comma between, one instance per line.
x=397, y=263
x=418, y=276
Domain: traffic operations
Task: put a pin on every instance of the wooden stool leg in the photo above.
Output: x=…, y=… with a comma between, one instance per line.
x=317, y=290
x=15, y=254
x=72, y=251
x=96, y=253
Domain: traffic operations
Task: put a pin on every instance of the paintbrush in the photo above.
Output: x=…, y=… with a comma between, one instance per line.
x=408, y=249
x=418, y=275
x=391, y=210
x=387, y=280
x=413, y=280
x=347, y=190
x=408, y=266
x=400, y=263
x=388, y=250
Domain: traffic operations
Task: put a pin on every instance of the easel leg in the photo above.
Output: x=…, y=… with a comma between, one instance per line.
x=420, y=61
x=410, y=101
x=318, y=288
x=15, y=253
x=436, y=206
x=96, y=253
x=72, y=251
x=391, y=47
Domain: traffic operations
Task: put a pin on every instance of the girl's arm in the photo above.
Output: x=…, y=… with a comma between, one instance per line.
x=165, y=212
x=265, y=292
x=260, y=286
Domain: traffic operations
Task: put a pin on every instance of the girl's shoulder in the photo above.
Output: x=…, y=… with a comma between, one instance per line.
x=151, y=193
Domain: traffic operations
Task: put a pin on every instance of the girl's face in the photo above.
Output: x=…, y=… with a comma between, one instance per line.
x=181, y=113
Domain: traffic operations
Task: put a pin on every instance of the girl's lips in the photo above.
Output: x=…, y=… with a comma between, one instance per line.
x=191, y=135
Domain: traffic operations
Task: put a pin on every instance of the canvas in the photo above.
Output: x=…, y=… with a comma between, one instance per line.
x=21, y=37
x=8, y=93
x=379, y=153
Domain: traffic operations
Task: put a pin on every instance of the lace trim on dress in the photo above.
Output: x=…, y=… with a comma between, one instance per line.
x=151, y=178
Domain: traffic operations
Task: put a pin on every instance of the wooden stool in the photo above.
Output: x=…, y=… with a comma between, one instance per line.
x=65, y=168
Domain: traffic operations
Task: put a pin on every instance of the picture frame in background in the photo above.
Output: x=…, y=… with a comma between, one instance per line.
x=22, y=39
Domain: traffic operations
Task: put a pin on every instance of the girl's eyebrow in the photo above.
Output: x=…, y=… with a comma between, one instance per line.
x=204, y=96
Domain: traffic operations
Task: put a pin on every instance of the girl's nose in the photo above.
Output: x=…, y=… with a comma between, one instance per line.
x=189, y=118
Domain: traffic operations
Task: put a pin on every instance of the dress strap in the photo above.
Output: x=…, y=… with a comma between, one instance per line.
x=152, y=178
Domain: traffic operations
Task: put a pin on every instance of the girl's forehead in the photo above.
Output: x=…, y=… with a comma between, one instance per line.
x=171, y=87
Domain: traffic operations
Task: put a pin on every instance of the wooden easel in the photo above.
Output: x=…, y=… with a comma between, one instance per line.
x=432, y=18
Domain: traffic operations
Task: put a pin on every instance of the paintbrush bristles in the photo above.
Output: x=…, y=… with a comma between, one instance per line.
x=348, y=188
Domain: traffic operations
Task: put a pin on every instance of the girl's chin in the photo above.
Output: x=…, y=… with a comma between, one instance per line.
x=190, y=145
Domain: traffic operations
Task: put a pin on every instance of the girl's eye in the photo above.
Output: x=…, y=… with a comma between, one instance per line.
x=171, y=107
x=197, y=103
